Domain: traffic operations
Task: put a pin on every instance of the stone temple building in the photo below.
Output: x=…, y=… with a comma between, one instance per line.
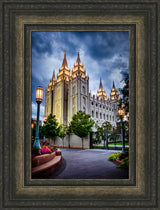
x=69, y=93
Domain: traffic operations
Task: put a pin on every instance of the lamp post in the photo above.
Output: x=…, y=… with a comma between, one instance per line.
x=121, y=114
x=39, y=97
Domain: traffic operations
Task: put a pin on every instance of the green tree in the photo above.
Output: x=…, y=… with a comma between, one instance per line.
x=51, y=127
x=101, y=134
x=69, y=131
x=81, y=124
x=63, y=132
x=107, y=126
x=41, y=132
x=124, y=103
x=125, y=93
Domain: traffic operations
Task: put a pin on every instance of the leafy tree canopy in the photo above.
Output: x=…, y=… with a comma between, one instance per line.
x=81, y=124
x=125, y=93
x=107, y=126
x=51, y=127
x=63, y=131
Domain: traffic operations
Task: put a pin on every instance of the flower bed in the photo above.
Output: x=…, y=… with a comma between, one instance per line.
x=45, y=149
x=45, y=160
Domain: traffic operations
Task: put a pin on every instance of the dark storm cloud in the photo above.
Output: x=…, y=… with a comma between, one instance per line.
x=104, y=54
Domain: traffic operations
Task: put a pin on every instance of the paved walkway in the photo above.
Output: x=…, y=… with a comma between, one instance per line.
x=88, y=164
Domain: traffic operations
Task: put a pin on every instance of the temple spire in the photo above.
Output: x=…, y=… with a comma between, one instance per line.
x=53, y=77
x=101, y=92
x=78, y=59
x=64, y=64
x=100, y=84
x=113, y=84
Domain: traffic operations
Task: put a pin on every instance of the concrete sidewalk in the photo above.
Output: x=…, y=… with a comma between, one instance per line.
x=88, y=164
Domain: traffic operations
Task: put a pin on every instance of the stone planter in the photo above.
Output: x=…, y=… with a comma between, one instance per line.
x=41, y=159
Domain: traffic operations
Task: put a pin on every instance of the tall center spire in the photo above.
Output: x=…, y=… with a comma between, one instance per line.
x=64, y=64
x=64, y=71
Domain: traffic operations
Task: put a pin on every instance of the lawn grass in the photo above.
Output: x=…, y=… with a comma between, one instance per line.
x=102, y=147
x=117, y=143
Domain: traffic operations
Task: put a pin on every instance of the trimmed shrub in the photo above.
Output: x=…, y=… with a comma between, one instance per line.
x=114, y=157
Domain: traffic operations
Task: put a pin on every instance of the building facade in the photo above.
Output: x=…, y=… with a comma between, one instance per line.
x=69, y=93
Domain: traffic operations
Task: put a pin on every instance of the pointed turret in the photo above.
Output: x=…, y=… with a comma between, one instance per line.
x=101, y=94
x=64, y=64
x=64, y=71
x=113, y=85
x=78, y=62
x=53, y=76
x=78, y=68
x=100, y=84
x=114, y=95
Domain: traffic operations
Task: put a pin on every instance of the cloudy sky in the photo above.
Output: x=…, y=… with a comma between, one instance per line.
x=103, y=54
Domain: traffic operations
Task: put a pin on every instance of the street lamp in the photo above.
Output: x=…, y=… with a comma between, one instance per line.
x=39, y=97
x=121, y=114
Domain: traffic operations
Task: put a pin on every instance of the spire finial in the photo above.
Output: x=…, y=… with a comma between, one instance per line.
x=100, y=84
x=65, y=60
x=113, y=84
x=53, y=77
x=78, y=59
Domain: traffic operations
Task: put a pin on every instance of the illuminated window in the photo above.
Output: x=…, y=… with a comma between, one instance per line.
x=58, y=110
x=59, y=93
x=74, y=100
x=74, y=90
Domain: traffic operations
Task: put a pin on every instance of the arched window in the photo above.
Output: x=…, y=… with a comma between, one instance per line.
x=110, y=117
x=74, y=89
x=113, y=118
x=84, y=101
x=58, y=110
x=96, y=114
x=100, y=115
x=92, y=113
x=83, y=89
x=104, y=116
x=59, y=93
x=107, y=116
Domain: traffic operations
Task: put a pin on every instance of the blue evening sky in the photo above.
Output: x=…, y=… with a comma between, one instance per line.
x=103, y=54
